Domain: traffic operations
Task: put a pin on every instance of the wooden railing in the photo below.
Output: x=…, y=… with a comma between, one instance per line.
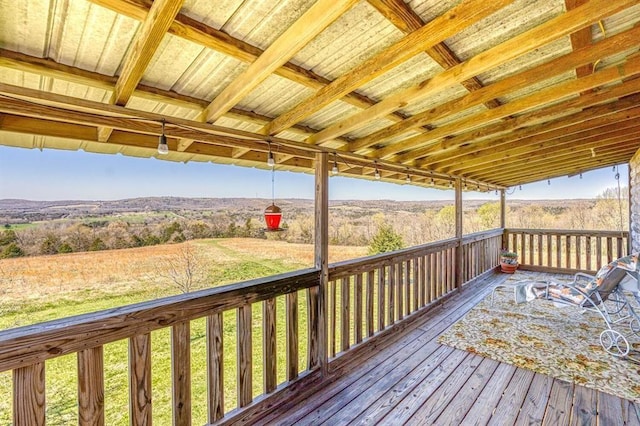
x=370, y=295
x=27, y=350
x=565, y=250
x=366, y=297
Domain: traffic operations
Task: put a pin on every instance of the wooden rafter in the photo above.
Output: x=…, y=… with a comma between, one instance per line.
x=580, y=39
x=316, y=19
x=406, y=20
x=557, y=66
x=562, y=25
x=434, y=32
x=139, y=55
x=533, y=101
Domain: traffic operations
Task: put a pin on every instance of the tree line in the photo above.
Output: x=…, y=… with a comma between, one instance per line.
x=382, y=230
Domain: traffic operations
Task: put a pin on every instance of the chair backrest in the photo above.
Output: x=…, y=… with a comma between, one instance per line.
x=610, y=275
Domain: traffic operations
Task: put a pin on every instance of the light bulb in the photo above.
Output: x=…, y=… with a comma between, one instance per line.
x=334, y=170
x=408, y=179
x=377, y=174
x=270, y=161
x=163, y=148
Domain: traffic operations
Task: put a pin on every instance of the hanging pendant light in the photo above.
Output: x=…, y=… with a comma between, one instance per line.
x=334, y=170
x=376, y=174
x=271, y=162
x=163, y=148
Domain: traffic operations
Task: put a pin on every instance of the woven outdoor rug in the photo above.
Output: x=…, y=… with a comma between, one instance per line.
x=562, y=342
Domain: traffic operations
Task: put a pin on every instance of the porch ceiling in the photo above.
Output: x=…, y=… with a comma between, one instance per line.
x=499, y=93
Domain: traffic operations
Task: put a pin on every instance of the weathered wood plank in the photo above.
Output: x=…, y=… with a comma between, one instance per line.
x=29, y=395
x=345, y=314
x=400, y=289
x=181, y=373
x=484, y=404
x=140, y=379
x=245, y=356
x=560, y=400
x=610, y=409
x=357, y=308
x=291, y=311
x=333, y=315
x=215, y=367
x=381, y=297
x=584, y=410
x=370, y=302
x=391, y=299
x=91, y=387
x=269, y=366
x=513, y=398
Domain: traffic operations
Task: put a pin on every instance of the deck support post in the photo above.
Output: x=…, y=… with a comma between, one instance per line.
x=321, y=249
x=459, y=256
x=503, y=218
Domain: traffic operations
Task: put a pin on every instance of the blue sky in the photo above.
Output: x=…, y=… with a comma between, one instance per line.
x=63, y=175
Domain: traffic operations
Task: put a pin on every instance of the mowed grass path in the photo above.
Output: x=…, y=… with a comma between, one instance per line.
x=48, y=287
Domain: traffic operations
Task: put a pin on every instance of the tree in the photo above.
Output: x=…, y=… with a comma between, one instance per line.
x=385, y=240
x=489, y=215
x=11, y=250
x=185, y=269
x=50, y=244
x=7, y=237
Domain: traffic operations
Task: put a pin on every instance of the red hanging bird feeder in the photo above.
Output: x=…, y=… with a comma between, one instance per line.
x=273, y=215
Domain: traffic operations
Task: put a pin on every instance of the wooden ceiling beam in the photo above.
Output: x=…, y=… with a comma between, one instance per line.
x=528, y=124
x=511, y=159
x=569, y=163
x=143, y=47
x=557, y=66
x=219, y=41
x=580, y=39
x=536, y=100
x=308, y=26
x=553, y=29
x=432, y=33
x=407, y=20
x=489, y=153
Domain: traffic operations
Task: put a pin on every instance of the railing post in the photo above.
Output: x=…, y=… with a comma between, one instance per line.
x=318, y=353
x=459, y=257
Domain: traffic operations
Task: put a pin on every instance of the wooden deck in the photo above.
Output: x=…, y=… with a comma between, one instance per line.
x=411, y=379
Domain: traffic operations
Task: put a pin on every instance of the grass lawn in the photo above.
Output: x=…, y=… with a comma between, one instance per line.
x=43, y=288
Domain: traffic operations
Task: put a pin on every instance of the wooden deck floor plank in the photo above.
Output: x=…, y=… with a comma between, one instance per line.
x=405, y=376
x=484, y=405
x=585, y=407
x=611, y=409
x=431, y=325
x=377, y=409
x=535, y=404
x=633, y=414
x=440, y=387
x=457, y=409
x=560, y=401
x=348, y=404
x=513, y=398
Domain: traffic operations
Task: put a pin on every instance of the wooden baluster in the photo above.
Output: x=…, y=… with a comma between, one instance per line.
x=549, y=244
x=578, y=252
x=140, y=379
x=407, y=287
x=599, y=253
x=567, y=255
x=391, y=300
x=619, y=247
x=609, y=249
x=181, y=373
x=357, y=307
x=531, y=251
x=215, y=367
x=435, y=288
x=539, y=247
x=91, y=386
x=424, y=289
x=558, y=251
x=269, y=345
x=245, y=381
x=345, y=318
x=370, y=301
x=399, y=291
x=314, y=347
x=588, y=250
x=417, y=286
x=381, y=301
x=291, y=302
x=29, y=395
x=333, y=319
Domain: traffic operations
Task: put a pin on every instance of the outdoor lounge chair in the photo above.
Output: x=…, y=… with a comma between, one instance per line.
x=602, y=293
